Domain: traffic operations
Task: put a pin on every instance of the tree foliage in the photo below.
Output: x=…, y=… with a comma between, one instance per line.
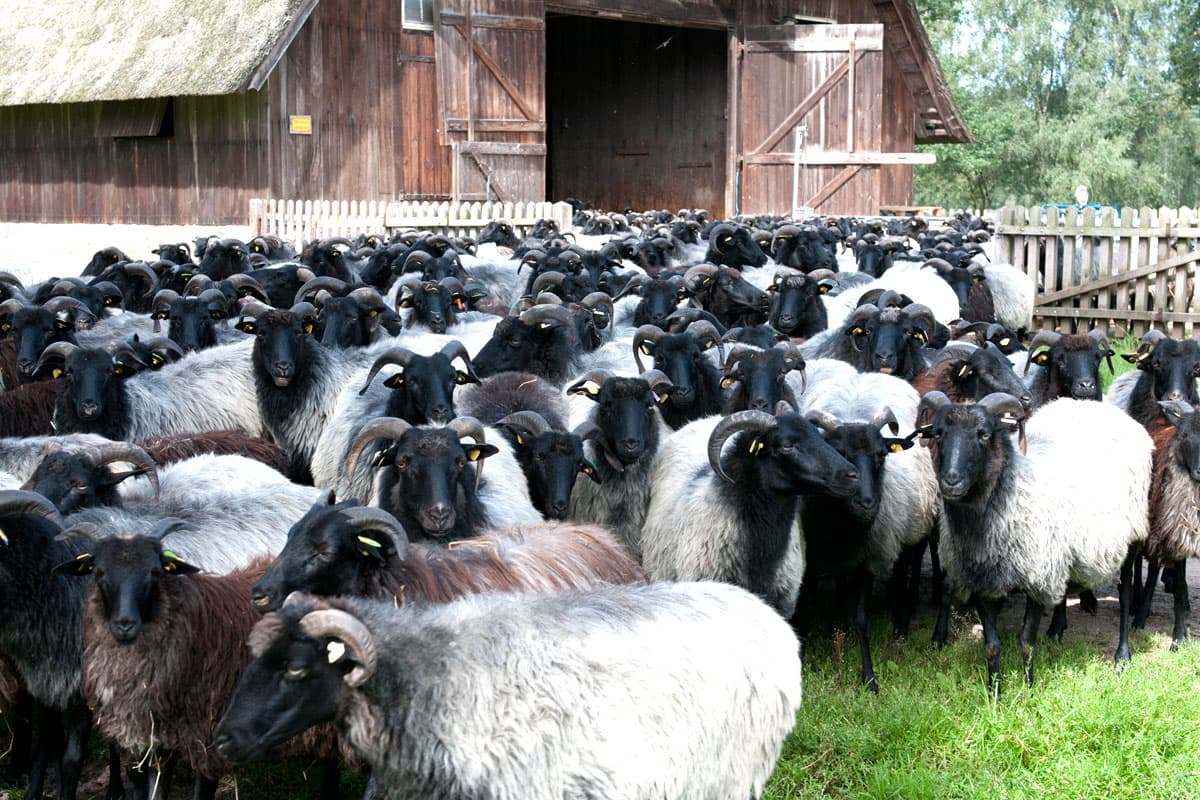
x=1059, y=93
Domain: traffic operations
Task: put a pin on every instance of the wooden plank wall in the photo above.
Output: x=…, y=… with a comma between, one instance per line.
x=636, y=114
x=370, y=88
x=1130, y=270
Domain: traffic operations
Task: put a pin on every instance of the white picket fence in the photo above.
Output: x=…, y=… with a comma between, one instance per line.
x=300, y=221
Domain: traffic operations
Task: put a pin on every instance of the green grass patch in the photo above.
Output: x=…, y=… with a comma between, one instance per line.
x=1085, y=731
x=1129, y=344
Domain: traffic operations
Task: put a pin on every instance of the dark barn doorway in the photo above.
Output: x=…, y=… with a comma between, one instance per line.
x=636, y=114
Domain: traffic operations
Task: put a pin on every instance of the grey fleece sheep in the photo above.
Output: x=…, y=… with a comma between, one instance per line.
x=638, y=693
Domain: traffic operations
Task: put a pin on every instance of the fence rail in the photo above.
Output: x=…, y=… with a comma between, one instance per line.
x=300, y=221
x=1131, y=269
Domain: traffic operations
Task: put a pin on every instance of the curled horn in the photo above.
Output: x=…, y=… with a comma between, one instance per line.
x=531, y=421
x=734, y=353
x=197, y=284
x=163, y=343
x=545, y=311
x=456, y=349
x=703, y=327
x=369, y=297
x=418, y=257
x=596, y=376
x=1047, y=338
x=890, y=299
x=469, y=426
x=304, y=274
x=378, y=428
x=55, y=351
x=656, y=377
x=161, y=302
x=861, y=314
x=304, y=311
x=717, y=231
x=548, y=278
x=823, y=420
x=929, y=406
x=337, y=240
x=693, y=278
x=1009, y=409
x=940, y=264
x=8, y=279
x=922, y=313
x=56, y=305
x=740, y=421
x=365, y=518
x=635, y=283
x=599, y=299
x=885, y=416
x=127, y=451
x=399, y=355
x=336, y=287
x=1145, y=347
x=11, y=306
x=17, y=501
x=333, y=623
x=168, y=526
x=65, y=285
x=1100, y=342
x=644, y=333
x=138, y=268
x=244, y=285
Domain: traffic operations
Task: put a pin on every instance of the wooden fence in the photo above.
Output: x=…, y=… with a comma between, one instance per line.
x=300, y=221
x=1124, y=269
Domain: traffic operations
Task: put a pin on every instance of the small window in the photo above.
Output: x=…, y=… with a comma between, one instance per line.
x=137, y=119
x=418, y=15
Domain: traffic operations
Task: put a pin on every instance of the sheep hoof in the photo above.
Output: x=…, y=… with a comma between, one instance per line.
x=1175, y=646
x=1088, y=602
x=872, y=685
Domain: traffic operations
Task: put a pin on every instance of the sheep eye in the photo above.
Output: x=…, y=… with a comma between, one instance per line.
x=984, y=436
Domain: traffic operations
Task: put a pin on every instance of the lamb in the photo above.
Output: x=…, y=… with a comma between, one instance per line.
x=632, y=715
x=733, y=518
x=163, y=650
x=1036, y=521
x=366, y=552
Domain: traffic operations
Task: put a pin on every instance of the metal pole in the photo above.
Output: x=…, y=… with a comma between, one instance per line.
x=797, y=154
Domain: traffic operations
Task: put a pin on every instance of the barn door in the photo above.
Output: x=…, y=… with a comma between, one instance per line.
x=491, y=69
x=826, y=80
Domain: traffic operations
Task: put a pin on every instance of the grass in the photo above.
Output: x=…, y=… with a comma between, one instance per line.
x=1129, y=344
x=1085, y=731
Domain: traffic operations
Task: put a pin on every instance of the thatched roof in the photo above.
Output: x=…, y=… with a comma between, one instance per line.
x=65, y=51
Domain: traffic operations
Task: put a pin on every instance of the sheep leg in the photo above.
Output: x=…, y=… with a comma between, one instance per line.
x=1181, y=604
x=152, y=784
x=20, y=750
x=862, y=620
x=79, y=728
x=991, y=642
x=116, y=787
x=898, y=596
x=205, y=788
x=939, y=576
x=1137, y=579
x=1125, y=595
x=1141, y=608
x=1029, y=632
x=331, y=779
x=49, y=745
x=1088, y=601
x=1058, y=622
x=941, y=628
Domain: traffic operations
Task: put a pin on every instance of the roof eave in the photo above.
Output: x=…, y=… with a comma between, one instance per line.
x=258, y=77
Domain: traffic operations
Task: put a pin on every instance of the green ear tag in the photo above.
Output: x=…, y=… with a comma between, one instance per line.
x=172, y=556
x=370, y=542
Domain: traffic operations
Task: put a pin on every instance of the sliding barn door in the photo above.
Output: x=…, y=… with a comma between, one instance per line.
x=491, y=67
x=827, y=80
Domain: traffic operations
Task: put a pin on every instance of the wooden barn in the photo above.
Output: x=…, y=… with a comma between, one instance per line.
x=173, y=112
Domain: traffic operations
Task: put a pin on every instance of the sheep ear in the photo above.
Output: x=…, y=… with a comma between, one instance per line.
x=1042, y=358
x=589, y=469
x=1134, y=358
x=82, y=565
x=728, y=380
x=174, y=565
x=246, y=325
x=395, y=381
x=462, y=378
x=478, y=452
x=895, y=445
x=1175, y=411
x=588, y=388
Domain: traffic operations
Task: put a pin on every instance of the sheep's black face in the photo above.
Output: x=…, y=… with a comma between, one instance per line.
x=190, y=324
x=683, y=357
x=71, y=481
x=89, y=377
x=340, y=323
x=281, y=344
x=964, y=437
x=987, y=371
x=551, y=462
x=220, y=260
x=865, y=448
x=893, y=340
x=628, y=417
x=816, y=249
x=797, y=309
x=432, y=305
x=1176, y=366
x=435, y=480
x=323, y=556
x=762, y=375
x=289, y=687
x=735, y=248
x=424, y=391
x=509, y=349
x=874, y=260
x=795, y=459
x=34, y=329
x=658, y=301
x=501, y=233
x=1074, y=368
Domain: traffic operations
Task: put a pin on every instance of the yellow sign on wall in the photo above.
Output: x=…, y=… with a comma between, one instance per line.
x=300, y=125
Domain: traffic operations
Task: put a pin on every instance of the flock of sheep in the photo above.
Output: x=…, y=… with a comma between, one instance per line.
x=530, y=517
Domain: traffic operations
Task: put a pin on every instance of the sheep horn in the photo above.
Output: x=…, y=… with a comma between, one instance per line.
x=703, y=327
x=539, y=314
x=693, y=278
x=885, y=416
x=163, y=343
x=168, y=526
x=378, y=428
x=400, y=355
x=304, y=311
x=245, y=286
x=531, y=421
x=8, y=279
x=16, y=501
x=922, y=313
x=376, y=519
x=335, y=286
x=1047, y=338
x=333, y=623
x=11, y=306
x=823, y=420
x=138, y=268
x=57, y=304
x=929, y=406
x=602, y=300
x=469, y=426
x=940, y=264
x=456, y=349
x=127, y=451
x=550, y=277
x=196, y=284
x=53, y=351
x=636, y=282
x=740, y=421
x=890, y=299
x=644, y=333
x=596, y=376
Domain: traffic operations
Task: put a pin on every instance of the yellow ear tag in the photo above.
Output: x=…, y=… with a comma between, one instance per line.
x=756, y=447
x=856, y=331
x=3, y=538
x=156, y=359
x=591, y=387
x=896, y=448
x=473, y=454
x=965, y=371
x=645, y=348
x=587, y=470
x=169, y=566
x=1004, y=342
x=369, y=542
x=56, y=372
x=728, y=381
x=520, y=439
x=824, y=289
